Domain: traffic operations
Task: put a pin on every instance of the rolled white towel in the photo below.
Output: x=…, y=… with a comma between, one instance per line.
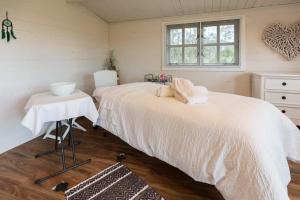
x=164, y=91
x=200, y=90
x=200, y=96
x=186, y=92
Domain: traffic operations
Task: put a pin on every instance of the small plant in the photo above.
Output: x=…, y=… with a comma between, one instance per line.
x=111, y=61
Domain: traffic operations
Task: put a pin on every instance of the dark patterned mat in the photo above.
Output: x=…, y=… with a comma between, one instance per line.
x=115, y=182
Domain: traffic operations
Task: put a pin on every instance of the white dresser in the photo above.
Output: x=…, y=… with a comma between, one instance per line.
x=280, y=89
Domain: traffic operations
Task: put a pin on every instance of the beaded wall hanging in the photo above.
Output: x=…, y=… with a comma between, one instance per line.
x=7, y=29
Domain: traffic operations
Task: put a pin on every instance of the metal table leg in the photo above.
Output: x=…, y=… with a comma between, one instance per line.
x=64, y=168
x=56, y=135
x=55, y=147
x=63, y=160
x=71, y=140
x=41, y=180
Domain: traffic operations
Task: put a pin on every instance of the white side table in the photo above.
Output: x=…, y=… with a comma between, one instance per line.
x=44, y=107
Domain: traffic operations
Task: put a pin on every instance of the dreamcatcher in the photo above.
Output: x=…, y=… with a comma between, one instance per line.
x=7, y=29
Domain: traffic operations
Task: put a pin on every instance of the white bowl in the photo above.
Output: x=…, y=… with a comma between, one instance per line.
x=62, y=88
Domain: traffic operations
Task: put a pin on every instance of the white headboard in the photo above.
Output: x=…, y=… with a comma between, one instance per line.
x=105, y=78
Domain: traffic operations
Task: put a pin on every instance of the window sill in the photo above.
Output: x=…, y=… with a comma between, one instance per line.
x=205, y=68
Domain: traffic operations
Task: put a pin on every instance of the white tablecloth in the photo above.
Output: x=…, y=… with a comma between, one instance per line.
x=45, y=107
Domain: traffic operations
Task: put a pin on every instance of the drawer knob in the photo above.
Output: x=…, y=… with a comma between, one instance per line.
x=284, y=83
x=283, y=111
x=283, y=97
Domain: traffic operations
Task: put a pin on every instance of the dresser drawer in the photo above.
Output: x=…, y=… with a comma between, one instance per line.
x=282, y=84
x=293, y=113
x=282, y=98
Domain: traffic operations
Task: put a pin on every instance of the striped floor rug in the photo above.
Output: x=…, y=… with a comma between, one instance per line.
x=115, y=182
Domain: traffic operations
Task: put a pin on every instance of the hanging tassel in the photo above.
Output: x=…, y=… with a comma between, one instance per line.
x=3, y=33
x=7, y=35
x=12, y=34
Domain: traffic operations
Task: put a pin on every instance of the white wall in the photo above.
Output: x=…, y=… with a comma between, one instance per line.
x=138, y=49
x=56, y=41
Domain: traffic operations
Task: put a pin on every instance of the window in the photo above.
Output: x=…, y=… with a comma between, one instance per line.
x=183, y=44
x=203, y=44
x=220, y=43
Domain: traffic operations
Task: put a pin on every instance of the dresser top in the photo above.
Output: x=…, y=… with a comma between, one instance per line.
x=282, y=74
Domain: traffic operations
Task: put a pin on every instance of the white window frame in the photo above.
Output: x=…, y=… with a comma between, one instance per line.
x=217, y=67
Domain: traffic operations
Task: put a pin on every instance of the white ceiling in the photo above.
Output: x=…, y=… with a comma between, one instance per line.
x=123, y=10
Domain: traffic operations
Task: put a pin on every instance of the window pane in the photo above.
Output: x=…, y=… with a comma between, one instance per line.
x=175, y=55
x=227, y=33
x=209, y=34
x=227, y=54
x=190, y=55
x=190, y=35
x=210, y=55
x=175, y=36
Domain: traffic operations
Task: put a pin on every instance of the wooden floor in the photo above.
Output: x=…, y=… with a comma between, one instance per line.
x=19, y=169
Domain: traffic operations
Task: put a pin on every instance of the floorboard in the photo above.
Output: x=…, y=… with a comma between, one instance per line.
x=19, y=169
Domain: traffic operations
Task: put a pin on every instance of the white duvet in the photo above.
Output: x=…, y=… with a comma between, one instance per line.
x=239, y=144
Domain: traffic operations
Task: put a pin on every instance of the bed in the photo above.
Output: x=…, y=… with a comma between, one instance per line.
x=239, y=144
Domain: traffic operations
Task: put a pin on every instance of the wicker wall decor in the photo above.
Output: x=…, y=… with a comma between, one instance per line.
x=283, y=39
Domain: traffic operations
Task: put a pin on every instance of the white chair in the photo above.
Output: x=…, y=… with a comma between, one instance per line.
x=52, y=127
x=105, y=78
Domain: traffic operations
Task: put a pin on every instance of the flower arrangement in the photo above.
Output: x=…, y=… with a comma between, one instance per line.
x=163, y=77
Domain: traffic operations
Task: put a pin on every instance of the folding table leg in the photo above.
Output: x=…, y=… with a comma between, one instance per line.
x=71, y=139
x=55, y=146
x=44, y=153
x=62, y=147
x=39, y=181
x=75, y=163
x=56, y=135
